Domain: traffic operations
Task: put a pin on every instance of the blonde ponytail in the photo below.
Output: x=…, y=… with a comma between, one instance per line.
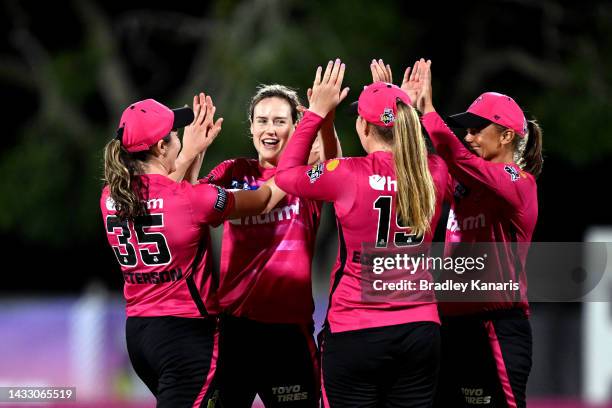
x=416, y=194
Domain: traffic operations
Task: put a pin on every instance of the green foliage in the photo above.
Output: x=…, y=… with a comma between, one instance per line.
x=48, y=189
x=51, y=176
x=576, y=115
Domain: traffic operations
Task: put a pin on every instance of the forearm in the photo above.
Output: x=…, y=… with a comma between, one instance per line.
x=445, y=142
x=193, y=172
x=330, y=144
x=251, y=202
x=276, y=196
x=182, y=165
x=297, y=151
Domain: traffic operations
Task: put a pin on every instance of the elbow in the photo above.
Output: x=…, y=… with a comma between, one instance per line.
x=281, y=179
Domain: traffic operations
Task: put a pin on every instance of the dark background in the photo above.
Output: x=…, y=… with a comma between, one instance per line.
x=68, y=69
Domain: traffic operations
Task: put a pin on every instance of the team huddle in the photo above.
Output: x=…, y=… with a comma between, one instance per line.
x=201, y=339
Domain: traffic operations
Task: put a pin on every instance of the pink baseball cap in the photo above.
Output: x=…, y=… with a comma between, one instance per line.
x=144, y=123
x=377, y=103
x=492, y=107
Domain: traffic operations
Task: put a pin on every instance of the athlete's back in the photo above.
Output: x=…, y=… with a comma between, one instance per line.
x=164, y=255
x=383, y=342
x=363, y=190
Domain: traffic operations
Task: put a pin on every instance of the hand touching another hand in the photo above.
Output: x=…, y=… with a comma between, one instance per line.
x=381, y=72
x=200, y=134
x=326, y=90
x=419, y=85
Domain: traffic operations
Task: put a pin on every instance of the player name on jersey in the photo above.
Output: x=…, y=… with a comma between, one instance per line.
x=153, y=277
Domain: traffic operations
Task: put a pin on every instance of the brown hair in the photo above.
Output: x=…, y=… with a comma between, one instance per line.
x=120, y=167
x=276, y=91
x=532, y=155
x=528, y=149
x=416, y=193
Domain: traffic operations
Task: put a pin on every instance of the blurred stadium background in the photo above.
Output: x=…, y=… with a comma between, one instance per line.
x=68, y=69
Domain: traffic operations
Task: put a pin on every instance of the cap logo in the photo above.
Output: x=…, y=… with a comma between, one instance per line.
x=387, y=116
x=497, y=117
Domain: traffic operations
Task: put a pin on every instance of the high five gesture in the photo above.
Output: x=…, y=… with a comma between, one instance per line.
x=326, y=93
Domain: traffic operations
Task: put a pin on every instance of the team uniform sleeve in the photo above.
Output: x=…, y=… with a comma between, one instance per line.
x=469, y=168
x=326, y=181
x=220, y=175
x=439, y=173
x=211, y=204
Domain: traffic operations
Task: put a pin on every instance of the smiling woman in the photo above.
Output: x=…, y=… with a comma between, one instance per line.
x=273, y=120
x=487, y=346
x=265, y=285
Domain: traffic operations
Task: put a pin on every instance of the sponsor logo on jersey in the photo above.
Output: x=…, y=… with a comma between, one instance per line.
x=241, y=185
x=475, y=396
x=155, y=204
x=152, y=204
x=221, y=201
x=387, y=116
x=315, y=172
x=382, y=183
x=290, y=393
x=465, y=224
x=110, y=204
x=332, y=165
x=277, y=214
x=514, y=174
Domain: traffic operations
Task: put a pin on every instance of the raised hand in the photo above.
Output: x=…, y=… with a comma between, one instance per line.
x=326, y=89
x=422, y=85
x=411, y=83
x=381, y=72
x=199, y=135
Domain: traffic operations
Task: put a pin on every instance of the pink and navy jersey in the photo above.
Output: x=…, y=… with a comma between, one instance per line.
x=164, y=255
x=265, y=272
x=363, y=191
x=491, y=203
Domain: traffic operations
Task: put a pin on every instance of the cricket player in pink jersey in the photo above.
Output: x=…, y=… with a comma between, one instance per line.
x=377, y=351
x=265, y=291
x=486, y=346
x=158, y=230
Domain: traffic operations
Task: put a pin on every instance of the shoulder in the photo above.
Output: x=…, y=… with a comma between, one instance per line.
x=105, y=192
x=436, y=163
x=435, y=160
x=106, y=202
x=223, y=166
x=514, y=174
x=332, y=167
x=342, y=163
x=221, y=172
x=238, y=165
